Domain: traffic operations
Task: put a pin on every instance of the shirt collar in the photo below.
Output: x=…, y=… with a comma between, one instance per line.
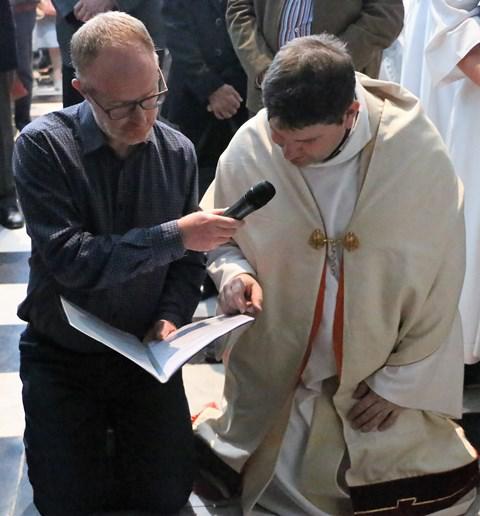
x=91, y=135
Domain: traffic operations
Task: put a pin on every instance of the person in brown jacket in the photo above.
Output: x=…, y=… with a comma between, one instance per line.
x=258, y=28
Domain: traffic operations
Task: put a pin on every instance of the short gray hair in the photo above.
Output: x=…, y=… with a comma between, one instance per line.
x=107, y=30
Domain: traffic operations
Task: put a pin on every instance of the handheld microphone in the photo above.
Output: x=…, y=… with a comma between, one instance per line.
x=252, y=200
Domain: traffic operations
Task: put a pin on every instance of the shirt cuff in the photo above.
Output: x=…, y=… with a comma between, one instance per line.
x=167, y=241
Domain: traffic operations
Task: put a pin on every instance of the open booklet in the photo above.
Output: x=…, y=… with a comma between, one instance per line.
x=159, y=358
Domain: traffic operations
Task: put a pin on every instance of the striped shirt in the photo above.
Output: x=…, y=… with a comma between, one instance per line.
x=296, y=20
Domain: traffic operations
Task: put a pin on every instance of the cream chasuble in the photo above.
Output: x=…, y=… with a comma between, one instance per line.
x=335, y=186
x=400, y=286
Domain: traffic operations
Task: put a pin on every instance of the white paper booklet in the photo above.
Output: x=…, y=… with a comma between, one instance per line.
x=159, y=358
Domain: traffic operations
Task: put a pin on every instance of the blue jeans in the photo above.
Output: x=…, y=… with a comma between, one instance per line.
x=102, y=434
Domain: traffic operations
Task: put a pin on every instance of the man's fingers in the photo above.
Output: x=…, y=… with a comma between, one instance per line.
x=361, y=390
x=359, y=417
x=375, y=422
x=256, y=297
x=361, y=406
x=389, y=421
x=237, y=295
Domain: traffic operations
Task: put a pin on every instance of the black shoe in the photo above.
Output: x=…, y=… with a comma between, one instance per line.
x=216, y=480
x=11, y=217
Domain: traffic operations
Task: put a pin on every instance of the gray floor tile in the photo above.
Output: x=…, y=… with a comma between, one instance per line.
x=11, y=461
x=24, y=503
x=9, y=354
x=14, y=267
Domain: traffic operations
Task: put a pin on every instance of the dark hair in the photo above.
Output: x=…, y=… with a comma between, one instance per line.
x=310, y=81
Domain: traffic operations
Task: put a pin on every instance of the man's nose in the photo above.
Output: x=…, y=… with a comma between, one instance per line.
x=290, y=150
x=138, y=114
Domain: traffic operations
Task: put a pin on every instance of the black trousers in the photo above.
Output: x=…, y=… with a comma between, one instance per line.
x=102, y=434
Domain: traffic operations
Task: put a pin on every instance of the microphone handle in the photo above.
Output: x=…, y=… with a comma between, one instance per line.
x=239, y=210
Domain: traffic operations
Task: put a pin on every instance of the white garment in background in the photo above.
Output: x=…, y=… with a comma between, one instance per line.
x=415, y=74
x=457, y=30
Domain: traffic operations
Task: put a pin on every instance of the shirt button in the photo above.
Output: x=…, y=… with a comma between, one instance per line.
x=219, y=22
x=218, y=52
x=297, y=31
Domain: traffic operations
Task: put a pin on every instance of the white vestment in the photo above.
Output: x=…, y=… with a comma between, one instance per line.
x=457, y=31
x=415, y=74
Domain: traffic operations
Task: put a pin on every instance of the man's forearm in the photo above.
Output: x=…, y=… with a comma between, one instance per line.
x=248, y=41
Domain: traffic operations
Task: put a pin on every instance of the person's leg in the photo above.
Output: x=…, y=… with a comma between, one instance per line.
x=7, y=186
x=65, y=428
x=10, y=217
x=154, y=442
x=56, y=61
x=24, y=23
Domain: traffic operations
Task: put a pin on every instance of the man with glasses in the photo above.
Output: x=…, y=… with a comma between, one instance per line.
x=110, y=200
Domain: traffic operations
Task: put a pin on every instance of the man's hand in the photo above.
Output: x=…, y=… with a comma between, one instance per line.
x=224, y=102
x=371, y=412
x=470, y=65
x=241, y=294
x=86, y=9
x=159, y=331
x=206, y=230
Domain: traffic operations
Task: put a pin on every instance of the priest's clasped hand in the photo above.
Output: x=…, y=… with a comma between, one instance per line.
x=371, y=411
x=241, y=294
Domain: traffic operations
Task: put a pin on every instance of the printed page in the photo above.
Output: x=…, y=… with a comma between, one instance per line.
x=170, y=354
x=159, y=358
x=124, y=343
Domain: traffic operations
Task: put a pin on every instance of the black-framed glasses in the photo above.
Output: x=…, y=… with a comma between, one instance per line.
x=126, y=109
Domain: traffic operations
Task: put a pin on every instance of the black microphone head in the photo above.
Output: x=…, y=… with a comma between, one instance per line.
x=260, y=194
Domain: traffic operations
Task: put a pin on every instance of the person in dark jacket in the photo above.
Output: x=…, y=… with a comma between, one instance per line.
x=72, y=14
x=10, y=216
x=24, y=16
x=207, y=85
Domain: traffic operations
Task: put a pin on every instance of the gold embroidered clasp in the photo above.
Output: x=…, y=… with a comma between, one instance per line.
x=318, y=240
x=351, y=241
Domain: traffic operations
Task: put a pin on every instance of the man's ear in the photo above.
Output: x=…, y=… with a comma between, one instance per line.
x=77, y=85
x=351, y=113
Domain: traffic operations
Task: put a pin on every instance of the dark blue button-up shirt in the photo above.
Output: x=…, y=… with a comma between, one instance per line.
x=103, y=229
